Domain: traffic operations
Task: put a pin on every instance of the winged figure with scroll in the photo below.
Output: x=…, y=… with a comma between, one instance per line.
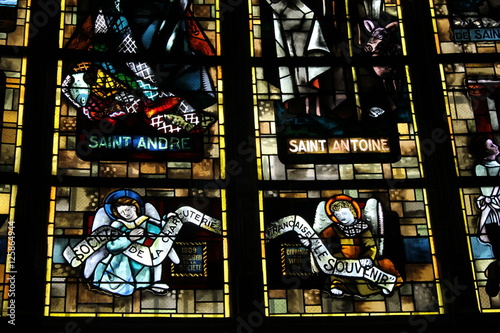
x=130, y=241
x=346, y=243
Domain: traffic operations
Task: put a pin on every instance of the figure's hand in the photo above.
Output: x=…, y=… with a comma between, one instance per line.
x=136, y=234
x=169, y=217
x=366, y=263
x=305, y=241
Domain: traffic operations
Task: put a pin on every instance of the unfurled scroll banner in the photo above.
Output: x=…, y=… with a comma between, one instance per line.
x=325, y=261
x=151, y=255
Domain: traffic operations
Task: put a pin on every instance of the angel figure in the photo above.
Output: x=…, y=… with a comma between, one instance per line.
x=349, y=232
x=136, y=222
x=130, y=242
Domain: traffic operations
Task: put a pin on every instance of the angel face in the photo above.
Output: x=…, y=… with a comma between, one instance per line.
x=128, y=212
x=344, y=216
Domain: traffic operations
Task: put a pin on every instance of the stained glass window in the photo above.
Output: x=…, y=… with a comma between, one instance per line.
x=12, y=82
x=12, y=88
x=14, y=30
x=347, y=116
x=473, y=122
x=244, y=166
x=471, y=97
x=14, y=25
x=137, y=118
x=174, y=267
x=336, y=111
x=13, y=78
x=463, y=26
x=311, y=255
x=367, y=118
x=138, y=103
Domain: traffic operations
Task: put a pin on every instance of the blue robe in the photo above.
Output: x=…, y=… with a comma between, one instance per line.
x=119, y=274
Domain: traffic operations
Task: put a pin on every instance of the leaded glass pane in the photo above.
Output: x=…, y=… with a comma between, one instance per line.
x=471, y=94
x=344, y=252
x=12, y=80
x=479, y=206
x=464, y=26
x=150, y=109
x=335, y=103
x=350, y=120
x=140, y=251
x=14, y=25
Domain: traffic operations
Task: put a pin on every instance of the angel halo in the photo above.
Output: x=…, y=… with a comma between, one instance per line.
x=342, y=201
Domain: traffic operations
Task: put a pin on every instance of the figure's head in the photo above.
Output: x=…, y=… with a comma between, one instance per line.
x=491, y=149
x=126, y=208
x=343, y=209
x=483, y=148
x=124, y=198
x=344, y=215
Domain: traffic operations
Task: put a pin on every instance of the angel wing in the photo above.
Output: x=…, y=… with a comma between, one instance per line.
x=321, y=220
x=373, y=215
x=100, y=219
